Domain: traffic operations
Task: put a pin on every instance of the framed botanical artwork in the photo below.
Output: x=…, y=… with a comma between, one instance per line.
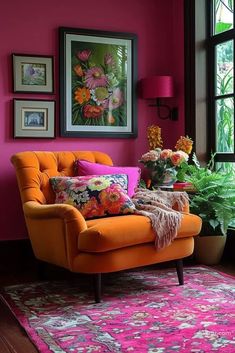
x=98, y=76
x=33, y=73
x=34, y=118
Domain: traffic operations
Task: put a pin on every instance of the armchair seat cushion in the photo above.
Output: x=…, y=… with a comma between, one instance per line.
x=105, y=234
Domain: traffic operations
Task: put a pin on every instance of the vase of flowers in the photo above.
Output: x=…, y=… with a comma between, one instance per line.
x=166, y=178
x=163, y=165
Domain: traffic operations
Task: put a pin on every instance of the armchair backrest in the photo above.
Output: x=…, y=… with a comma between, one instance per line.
x=34, y=168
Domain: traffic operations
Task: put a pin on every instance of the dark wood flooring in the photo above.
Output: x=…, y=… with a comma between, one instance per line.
x=17, y=265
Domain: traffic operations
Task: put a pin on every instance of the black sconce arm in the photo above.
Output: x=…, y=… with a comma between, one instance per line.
x=171, y=114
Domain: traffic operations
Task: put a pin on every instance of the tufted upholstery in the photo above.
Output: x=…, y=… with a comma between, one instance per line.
x=35, y=168
x=60, y=235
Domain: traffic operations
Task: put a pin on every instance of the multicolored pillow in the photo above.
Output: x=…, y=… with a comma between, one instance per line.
x=94, y=195
x=88, y=168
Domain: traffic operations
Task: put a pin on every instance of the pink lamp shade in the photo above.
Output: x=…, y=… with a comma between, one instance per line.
x=157, y=87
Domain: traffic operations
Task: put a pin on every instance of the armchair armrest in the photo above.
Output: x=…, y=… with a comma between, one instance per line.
x=34, y=209
x=53, y=230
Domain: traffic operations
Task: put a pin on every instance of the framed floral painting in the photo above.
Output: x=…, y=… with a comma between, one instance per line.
x=97, y=83
x=33, y=73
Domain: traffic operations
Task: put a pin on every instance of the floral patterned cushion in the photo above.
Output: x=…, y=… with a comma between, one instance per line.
x=94, y=195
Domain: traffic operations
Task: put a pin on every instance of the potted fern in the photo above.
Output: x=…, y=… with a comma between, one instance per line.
x=214, y=202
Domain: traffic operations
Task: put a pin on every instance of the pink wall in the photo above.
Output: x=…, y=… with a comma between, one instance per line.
x=31, y=27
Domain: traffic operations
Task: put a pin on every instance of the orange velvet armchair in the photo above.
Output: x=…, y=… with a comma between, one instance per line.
x=61, y=236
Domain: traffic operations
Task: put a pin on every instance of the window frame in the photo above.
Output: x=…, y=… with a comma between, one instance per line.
x=212, y=41
x=195, y=75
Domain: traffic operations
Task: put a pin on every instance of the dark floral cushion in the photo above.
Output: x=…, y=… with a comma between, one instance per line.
x=94, y=195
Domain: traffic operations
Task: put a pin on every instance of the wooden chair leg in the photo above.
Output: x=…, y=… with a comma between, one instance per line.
x=97, y=287
x=180, y=271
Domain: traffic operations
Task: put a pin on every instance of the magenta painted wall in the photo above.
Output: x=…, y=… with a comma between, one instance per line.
x=31, y=27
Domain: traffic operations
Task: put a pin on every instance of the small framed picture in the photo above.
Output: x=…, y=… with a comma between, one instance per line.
x=33, y=73
x=34, y=118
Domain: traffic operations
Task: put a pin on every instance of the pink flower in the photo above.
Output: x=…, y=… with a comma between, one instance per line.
x=150, y=156
x=112, y=199
x=95, y=77
x=184, y=155
x=84, y=54
x=178, y=157
x=115, y=100
x=108, y=59
x=165, y=154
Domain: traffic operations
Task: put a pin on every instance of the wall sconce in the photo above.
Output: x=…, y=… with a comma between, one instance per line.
x=157, y=87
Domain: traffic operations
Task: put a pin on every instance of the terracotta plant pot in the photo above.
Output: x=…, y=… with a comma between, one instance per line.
x=208, y=250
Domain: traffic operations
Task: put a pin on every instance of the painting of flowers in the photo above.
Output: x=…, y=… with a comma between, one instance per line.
x=98, y=97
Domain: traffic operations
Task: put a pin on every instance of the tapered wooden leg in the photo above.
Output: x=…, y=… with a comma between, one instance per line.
x=180, y=271
x=97, y=287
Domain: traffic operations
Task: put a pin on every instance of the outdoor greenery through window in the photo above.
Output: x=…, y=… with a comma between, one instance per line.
x=221, y=79
x=221, y=83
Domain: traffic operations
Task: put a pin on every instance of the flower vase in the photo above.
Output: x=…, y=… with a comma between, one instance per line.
x=165, y=178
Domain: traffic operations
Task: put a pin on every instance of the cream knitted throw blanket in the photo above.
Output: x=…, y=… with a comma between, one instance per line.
x=157, y=205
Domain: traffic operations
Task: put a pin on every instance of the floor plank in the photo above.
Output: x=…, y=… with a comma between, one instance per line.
x=13, y=339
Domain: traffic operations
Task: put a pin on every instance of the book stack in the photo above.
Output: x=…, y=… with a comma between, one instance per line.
x=185, y=186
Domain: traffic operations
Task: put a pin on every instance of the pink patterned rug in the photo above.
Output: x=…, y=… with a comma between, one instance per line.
x=142, y=311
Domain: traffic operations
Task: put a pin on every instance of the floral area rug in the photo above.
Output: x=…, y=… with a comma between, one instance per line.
x=142, y=311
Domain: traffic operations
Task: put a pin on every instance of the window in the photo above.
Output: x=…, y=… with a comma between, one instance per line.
x=221, y=81
x=209, y=80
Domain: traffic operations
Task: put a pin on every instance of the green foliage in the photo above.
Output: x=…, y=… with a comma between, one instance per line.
x=222, y=27
x=223, y=21
x=142, y=184
x=181, y=171
x=214, y=199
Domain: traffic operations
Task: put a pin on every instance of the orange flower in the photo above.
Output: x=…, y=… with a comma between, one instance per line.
x=78, y=70
x=154, y=137
x=111, y=199
x=178, y=157
x=82, y=95
x=92, y=209
x=184, y=144
x=92, y=111
x=110, y=119
x=165, y=154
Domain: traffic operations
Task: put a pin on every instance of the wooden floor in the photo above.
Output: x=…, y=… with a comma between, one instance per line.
x=23, y=269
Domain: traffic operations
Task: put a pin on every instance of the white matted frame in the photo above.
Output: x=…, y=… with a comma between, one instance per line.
x=34, y=118
x=33, y=73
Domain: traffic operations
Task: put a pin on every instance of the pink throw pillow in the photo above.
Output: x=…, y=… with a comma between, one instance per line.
x=89, y=168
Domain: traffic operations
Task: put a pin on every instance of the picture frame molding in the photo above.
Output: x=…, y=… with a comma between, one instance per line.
x=65, y=95
x=23, y=107
x=17, y=73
